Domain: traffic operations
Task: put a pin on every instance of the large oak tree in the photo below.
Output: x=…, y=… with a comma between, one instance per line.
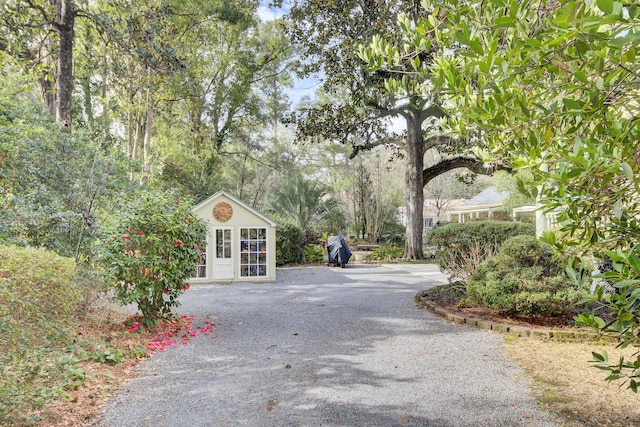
x=330, y=34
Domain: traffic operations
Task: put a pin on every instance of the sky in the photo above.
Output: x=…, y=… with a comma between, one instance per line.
x=305, y=87
x=301, y=87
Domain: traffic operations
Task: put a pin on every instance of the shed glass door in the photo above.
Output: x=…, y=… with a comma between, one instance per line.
x=223, y=254
x=253, y=252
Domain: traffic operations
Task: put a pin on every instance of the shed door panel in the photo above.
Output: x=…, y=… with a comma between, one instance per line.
x=223, y=254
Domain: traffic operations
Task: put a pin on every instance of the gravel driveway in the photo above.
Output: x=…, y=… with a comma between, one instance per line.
x=328, y=347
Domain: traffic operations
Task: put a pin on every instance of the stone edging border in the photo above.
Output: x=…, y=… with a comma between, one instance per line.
x=517, y=330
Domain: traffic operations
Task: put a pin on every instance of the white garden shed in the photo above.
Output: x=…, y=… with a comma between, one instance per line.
x=241, y=242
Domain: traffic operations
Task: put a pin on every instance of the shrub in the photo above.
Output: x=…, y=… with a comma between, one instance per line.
x=524, y=277
x=389, y=251
x=464, y=245
x=313, y=253
x=289, y=244
x=154, y=245
x=38, y=296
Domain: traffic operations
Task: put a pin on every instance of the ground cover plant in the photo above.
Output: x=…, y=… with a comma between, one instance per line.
x=387, y=252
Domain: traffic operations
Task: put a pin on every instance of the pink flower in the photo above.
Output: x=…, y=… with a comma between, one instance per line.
x=125, y=236
x=178, y=243
x=196, y=247
x=186, y=218
x=138, y=233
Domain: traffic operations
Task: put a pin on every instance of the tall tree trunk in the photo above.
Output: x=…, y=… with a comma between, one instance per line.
x=146, y=148
x=64, y=73
x=414, y=196
x=48, y=93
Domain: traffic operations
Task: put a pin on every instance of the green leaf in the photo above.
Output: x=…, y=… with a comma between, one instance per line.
x=476, y=46
x=616, y=209
x=505, y=22
x=606, y=6
x=533, y=42
x=572, y=104
x=600, y=357
x=582, y=76
x=627, y=170
x=634, y=261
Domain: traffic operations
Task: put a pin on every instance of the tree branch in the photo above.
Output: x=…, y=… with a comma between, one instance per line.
x=436, y=140
x=474, y=165
x=371, y=145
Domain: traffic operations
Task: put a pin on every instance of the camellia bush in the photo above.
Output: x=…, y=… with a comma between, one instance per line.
x=154, y=246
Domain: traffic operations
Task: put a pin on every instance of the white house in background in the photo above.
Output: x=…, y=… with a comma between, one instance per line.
x=489, y=204
x=482, y=206
x=241, y=242
x=434, y=210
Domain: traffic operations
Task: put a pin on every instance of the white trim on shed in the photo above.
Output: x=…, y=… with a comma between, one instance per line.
x=241, y=242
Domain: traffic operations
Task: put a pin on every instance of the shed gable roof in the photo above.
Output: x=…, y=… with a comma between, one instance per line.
x=221, y=193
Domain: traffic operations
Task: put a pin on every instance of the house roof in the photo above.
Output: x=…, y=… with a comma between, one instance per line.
x=430, y=205
x=489, y=196
x=235, y=200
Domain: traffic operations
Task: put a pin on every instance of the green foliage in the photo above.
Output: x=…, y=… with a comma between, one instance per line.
x=524, y=277
x=387, y=252
x=464, y=245
x=38, y=296
x=313, y=253
x=153, y=246
x=288, y=243
x=461, y=235
x=303, y=201
x=55, y=187
x=106, y=353
x=622, y=306
x=553, y=88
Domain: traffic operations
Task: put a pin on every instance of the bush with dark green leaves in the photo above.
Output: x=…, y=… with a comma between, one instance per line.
x=153, y=245
x=289, y=248
x=387, y=252
x=462, y=246
x=524, y=277
x=313, y=253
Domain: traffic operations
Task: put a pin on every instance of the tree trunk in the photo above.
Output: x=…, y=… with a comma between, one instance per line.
x=64, y=73
x=146, y=148
x=47, y=94
x=414, y=196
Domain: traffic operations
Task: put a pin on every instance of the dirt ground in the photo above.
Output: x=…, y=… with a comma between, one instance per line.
x=567, y=383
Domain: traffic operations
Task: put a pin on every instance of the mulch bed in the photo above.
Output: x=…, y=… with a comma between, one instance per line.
x=452, y=299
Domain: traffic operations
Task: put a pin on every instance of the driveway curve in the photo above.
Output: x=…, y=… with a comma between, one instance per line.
x=328, y=347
